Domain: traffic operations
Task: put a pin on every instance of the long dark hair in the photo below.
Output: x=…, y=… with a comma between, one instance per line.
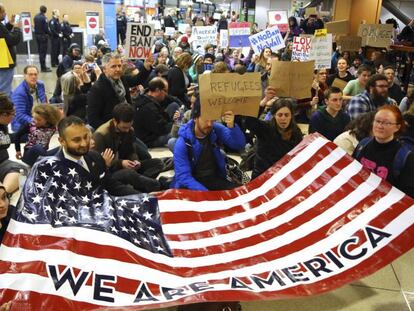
x=292, y=132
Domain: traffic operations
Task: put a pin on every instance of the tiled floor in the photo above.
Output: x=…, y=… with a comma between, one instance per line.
x=390, y=289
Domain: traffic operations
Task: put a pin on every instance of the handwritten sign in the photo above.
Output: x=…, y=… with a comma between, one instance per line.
x=202, y=35
x=270, y=38
x=279, y=18
x=239, y=33
x=292, y=72
x=301, y=48
x=321, y=51
x=220, y=92
x=139, y=40
x=376, y=35
x=338, y=27
x=350, y=43
x=183, y=27
x=224, y=38
x=169, y=31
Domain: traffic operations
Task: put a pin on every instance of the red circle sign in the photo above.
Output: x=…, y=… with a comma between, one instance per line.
x=26, y=25
x=92, y=22
x=278, y=17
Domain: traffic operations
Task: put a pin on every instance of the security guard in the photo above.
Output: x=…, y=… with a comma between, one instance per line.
x=41, y=30
x=56, y=35
x=67, y=34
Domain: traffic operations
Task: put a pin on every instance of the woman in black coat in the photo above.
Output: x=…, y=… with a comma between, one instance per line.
x=275, y=138
x=178, y=79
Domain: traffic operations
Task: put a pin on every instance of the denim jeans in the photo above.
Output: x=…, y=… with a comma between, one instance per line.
x=6, y=79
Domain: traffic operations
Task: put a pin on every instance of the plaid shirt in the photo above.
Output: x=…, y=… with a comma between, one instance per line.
x=363, y=103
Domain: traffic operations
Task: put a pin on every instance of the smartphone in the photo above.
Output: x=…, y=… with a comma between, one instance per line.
x=17, y=18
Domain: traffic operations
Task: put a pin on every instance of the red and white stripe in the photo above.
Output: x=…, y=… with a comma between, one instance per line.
x=307, y=204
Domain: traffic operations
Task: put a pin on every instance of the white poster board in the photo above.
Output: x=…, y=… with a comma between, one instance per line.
x=92, y=23
x=321, y=51
x=224, y=38
x=139, y=40
x=202, y=35
x=169, y=31
x=301, y=48
x=270, y=38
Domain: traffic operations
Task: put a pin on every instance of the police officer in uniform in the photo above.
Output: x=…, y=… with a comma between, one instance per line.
x=67, y=34
x=54, y=26
x=121, y=26
x=41, y=30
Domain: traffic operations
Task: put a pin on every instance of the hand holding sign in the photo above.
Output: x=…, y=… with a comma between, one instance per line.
x=228, y=118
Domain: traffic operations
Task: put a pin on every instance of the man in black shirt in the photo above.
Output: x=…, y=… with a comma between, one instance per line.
x=394, y=90
x=42, y=31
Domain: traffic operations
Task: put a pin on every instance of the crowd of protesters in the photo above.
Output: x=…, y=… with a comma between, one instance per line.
x=133, y=105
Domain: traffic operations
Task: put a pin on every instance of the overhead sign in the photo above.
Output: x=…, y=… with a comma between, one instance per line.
x=321, y=51
x=202, y=35
x=268, y=38
x=139, y=40
x=292, y=73
x=220, y=92
x=279, y=18
x=239, y=33
x=92, y=23
x=301, y=48
x=27, y=26
x=376, y=35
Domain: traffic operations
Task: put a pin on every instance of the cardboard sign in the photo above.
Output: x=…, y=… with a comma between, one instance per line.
x=279, y=18
x=139, y=40
x=376, y=35
x=321, y=51
x=338, y=27
x=301, y=48
x=239, y=33
x=92, y=23
x=220, y=92
x=350, y=43
x=339, y=83
x=268, y=38
x=292, y=73
x=310, y=11
x=27, y=26
x=224, y=38
x=169, y=31
x=202, y=35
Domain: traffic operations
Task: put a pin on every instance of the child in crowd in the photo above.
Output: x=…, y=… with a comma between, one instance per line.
x=39, y=131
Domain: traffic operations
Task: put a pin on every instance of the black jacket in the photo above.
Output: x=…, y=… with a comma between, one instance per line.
x=100, y=176
x=40, y=25
x=54, y=26
x=12, y=36
x=66, y=31
x=176, y=83
x=151, y=121
x=102, y=97
x=270, y=146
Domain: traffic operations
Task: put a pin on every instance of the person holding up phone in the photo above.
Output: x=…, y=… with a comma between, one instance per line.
x=12, y=34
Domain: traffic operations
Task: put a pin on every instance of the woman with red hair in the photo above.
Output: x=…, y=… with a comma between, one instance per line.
x=383, y=154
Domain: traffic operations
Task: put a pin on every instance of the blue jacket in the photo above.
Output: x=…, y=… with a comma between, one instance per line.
x=183, y=165
x=23, y=102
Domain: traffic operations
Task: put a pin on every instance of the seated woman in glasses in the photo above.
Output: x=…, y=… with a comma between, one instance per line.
x=383, y=154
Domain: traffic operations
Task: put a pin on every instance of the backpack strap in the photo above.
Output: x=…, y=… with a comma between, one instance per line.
x=400, y=159
x=361, y=145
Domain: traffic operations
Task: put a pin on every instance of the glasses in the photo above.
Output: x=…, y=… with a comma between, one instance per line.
x=383, y=86
x=384, y=123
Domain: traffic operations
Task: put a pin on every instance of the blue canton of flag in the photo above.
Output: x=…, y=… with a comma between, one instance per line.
x=63, y=195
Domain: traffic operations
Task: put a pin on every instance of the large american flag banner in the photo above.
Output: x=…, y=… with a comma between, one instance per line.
x=313, y=222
